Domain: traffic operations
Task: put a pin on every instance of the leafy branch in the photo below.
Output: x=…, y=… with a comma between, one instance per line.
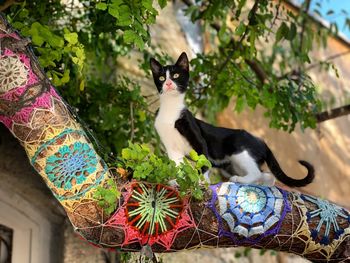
x=107, y=196
x=284, y=114
x=146, y=166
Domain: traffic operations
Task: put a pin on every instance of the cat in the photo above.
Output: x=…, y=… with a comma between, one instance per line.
x=238, y=154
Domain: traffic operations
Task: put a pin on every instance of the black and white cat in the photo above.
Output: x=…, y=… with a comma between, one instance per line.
x=237, y=153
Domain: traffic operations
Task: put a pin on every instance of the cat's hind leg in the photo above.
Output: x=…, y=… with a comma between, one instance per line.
x=247, y=169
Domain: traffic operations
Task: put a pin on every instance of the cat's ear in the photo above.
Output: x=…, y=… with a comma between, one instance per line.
x=156, y=67
x=182, y=61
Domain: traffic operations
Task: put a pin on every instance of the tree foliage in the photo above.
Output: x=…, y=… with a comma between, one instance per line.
x=260, y=55
x=147, y=166
x=78, y=44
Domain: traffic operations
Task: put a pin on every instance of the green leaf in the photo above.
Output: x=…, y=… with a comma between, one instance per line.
x=113, y=11
x=37, y=40
x=198, y=194
x=72, y=38
x=162, y=3
x=101, y=6
x=194, y=155
x=142, y=115
x=147, y=4
x=139, y=42
x=65, y=78
x=282, y=32
x=292, y=31
x=126, y=153
x=203, y=162
x=239, y=104
x=240, y=29
x=82, y=85
x=129, y=36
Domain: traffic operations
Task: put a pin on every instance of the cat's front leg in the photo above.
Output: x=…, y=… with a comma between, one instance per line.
x=206, y=176
x=247, y=179
x=173, y=183
x=176, y=157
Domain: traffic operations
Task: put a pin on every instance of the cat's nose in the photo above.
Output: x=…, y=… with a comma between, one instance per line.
x=168, y=85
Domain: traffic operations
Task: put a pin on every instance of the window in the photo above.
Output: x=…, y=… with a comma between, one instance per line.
x=6, y=235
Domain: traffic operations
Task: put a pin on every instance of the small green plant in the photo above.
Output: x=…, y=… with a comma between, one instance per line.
x=147, y=166
x=107, y=196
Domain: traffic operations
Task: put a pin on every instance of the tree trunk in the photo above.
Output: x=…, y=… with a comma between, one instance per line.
x=148, y=215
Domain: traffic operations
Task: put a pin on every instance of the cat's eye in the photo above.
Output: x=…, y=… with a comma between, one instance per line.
x=176, y=75
x=161, y=78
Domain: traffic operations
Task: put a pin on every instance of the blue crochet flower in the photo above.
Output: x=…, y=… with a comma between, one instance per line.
x=71, y=165
x=248, y=210
x=327, y=214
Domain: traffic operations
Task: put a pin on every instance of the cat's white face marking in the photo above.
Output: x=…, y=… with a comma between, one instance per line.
x=169, y=86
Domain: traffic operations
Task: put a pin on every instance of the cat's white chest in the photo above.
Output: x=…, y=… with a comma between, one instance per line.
x=176, y=145
x=173, y=141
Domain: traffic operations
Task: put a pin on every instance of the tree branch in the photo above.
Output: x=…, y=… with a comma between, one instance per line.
x=333, y=113
x=257, y=69
x=318, y=64
x=305, y=11
x=251, y=19
x=278, y=6
x=332, y=57
x=260, y=72
x=7, y=4
x=253, y=64
x=132, y=121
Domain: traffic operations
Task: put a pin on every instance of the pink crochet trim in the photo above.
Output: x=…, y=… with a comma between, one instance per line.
x=23, y=116
x=120, y=220
x=43, y=101
x=12, y=35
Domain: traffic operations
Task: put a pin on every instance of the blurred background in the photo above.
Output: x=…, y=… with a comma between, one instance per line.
x=104, y=76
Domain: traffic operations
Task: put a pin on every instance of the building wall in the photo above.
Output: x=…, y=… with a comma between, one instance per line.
x=28, y=207
x=327, y=147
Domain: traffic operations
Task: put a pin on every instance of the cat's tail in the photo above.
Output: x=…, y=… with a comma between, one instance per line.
x=281, y=176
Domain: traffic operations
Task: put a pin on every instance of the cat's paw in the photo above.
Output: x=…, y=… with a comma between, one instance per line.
x=268, y=179
x=206, y=177
x=173, y=183
x=234, y=179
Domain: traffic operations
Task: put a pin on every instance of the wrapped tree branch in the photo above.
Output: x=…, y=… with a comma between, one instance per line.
x=148, y=215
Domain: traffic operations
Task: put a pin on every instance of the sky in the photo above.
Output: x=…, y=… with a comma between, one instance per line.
x=337, y=16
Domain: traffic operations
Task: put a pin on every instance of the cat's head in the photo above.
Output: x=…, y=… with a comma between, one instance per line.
x=171, y=79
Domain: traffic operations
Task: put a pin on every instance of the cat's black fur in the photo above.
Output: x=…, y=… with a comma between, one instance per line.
x=217, y=143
